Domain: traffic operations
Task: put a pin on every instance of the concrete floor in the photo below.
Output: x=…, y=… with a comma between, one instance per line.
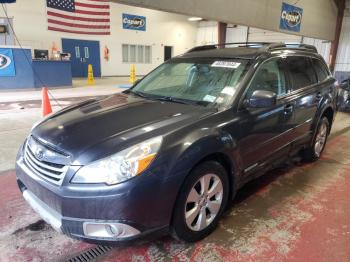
x=299, y=212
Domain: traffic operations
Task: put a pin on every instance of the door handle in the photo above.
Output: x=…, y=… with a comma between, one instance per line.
x=288, y=109
x=319, y=96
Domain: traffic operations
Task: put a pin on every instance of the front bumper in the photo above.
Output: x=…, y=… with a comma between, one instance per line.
x=81, y=211
x=48, y=214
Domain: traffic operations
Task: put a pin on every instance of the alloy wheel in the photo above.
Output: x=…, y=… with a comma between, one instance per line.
x=203, y=202
x=320, y=139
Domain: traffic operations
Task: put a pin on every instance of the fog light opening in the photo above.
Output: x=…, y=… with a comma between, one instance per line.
x=109, y=230
x=113, y=230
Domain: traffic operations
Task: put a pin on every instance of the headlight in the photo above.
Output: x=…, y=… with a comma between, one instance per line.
x=121, y=166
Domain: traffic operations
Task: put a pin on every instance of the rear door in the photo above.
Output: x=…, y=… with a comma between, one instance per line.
x=306, y=94
x=264, y=132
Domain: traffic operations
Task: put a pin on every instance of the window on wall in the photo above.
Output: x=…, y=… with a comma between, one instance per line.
x=148, y=55
x=132, y=53
x=141, y=54
x=125, y=50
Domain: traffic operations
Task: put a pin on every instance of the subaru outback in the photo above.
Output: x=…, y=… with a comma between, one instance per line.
x=170, y=153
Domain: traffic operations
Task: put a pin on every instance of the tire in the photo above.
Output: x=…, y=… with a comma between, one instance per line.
x=205, y=206
x=314, y=151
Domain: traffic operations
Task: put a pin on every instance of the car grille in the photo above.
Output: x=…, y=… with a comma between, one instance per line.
x=35, y=158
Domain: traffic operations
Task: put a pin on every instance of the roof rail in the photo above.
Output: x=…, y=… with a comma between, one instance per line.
x=306, y=47
x=265, y=46
x=240, y=44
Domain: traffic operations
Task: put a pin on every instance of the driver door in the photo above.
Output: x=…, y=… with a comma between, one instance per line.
x=264, y=132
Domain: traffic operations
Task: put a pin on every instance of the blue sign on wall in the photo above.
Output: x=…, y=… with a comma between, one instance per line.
x=291, y=17
x=134, y=22
x=7, y=64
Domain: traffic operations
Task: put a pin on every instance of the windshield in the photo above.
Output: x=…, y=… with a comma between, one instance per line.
x=201, y=82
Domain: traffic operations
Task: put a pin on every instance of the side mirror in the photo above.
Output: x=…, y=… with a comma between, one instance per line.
x=262, y=99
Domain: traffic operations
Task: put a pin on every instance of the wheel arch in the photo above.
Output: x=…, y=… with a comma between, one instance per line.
x=227, y=164
x=329, y=113
x=224, y=160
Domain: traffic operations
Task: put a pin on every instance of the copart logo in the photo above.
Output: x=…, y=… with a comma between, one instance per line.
x=5, y=61
x=134, y=22
x=292, y=18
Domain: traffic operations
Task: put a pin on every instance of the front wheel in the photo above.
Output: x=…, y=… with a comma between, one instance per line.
x=314, y=151
x=200, y=204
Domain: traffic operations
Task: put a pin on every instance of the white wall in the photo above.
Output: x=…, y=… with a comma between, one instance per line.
x=30, y=24
x=261, y=35
x=236, y=33
x=207, y=33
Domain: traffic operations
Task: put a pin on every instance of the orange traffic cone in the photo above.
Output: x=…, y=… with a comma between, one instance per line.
x=45, y=102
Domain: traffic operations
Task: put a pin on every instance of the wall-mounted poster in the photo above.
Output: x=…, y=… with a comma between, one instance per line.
x=7, y=64
x=134, y=22
x=291, y=17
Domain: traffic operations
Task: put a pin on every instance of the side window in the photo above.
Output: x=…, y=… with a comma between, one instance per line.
x=270, y=76
x=320, y=68
x=301, y=71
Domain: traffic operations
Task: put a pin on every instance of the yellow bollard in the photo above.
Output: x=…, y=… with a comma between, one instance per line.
x=90, y=79
x=132, y=74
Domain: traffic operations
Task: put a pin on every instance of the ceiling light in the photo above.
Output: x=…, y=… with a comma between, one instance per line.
x=193, y=19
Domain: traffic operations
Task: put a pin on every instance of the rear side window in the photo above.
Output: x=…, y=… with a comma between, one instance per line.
x=301, y=71
x=320, y=69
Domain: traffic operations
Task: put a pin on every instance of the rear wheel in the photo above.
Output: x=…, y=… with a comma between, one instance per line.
x=201, y=202
x=314, y=151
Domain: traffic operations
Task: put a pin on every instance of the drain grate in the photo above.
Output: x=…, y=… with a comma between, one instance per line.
x=89, y=255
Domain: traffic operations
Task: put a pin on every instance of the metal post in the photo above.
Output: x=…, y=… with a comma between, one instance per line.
x=222, y=27
x=335, y=43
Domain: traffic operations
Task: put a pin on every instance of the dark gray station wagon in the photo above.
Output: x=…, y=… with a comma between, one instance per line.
x=171, y=152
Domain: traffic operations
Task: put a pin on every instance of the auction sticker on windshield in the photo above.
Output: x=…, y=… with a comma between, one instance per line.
x=227, y=64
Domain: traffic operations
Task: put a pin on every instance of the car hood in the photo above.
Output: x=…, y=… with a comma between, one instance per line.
x=109, y=124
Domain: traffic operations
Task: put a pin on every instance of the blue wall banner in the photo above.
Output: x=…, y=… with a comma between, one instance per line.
x=7, y=1
x=291, y=17
x=134, y=22
x=7, y=64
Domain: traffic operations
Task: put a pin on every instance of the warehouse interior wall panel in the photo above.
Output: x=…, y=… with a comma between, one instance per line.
x=343, y=57
x=236, y=33
x=261, y=35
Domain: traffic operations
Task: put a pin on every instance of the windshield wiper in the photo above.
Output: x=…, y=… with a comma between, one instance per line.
x=165, y=98
x=139, y=94
x=175, y=100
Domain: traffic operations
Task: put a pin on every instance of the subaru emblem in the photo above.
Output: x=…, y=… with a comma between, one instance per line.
x=39, y=154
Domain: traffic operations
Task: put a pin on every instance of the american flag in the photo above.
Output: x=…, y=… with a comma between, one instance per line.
x=91, y=17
